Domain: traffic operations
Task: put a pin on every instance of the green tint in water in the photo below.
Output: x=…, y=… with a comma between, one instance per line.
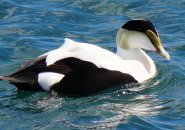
x=30, y=28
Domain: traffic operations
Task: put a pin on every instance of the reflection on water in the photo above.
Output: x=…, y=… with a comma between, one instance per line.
x=105, y=110
x=30, y=28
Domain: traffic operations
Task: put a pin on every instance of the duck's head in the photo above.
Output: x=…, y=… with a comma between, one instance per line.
x=140, y=34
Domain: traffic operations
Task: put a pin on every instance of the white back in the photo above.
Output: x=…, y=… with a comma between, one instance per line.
x=103, y=58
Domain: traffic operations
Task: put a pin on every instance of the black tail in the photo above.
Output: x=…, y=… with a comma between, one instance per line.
x=23, y=83
x=10, y=79
x=26, y=78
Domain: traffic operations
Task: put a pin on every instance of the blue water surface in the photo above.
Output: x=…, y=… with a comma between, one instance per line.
x=29, y=28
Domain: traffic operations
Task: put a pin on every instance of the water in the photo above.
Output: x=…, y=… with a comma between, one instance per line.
x=30, y=28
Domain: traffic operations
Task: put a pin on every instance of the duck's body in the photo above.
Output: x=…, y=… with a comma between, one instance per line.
x=134, y=62
x=82, y=68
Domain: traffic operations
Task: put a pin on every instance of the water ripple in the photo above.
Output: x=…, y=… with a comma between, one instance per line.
x=30, y=28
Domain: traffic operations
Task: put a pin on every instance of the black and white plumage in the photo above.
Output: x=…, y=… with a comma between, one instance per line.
x=82, y=68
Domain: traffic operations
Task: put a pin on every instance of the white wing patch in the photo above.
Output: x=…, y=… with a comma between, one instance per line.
x=47, y=79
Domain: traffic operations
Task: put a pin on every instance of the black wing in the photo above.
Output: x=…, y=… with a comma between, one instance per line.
x=81, y=77
x=26, y=77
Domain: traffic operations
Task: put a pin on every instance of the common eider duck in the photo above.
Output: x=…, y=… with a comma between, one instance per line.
x=82, y=68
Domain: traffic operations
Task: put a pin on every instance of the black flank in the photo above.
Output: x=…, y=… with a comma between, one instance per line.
x=85, y=78
x=81, y=77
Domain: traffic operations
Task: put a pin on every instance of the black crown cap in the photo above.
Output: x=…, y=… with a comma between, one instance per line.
x=140, y=25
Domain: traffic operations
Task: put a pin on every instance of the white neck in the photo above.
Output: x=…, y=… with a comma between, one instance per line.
x=142, y=66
